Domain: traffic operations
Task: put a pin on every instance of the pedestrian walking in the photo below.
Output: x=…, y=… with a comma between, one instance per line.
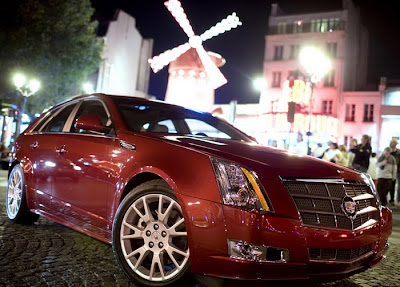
x=396, y=153
x=362, y=152
x=373, y=169
x=387, y=169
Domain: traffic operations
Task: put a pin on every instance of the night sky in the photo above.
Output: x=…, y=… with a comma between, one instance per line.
x=243, y=47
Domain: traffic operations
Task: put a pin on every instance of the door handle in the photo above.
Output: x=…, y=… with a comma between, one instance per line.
x=34, y=145
x=62, y=149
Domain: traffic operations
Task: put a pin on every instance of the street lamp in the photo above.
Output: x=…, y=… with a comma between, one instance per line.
x=88, y=88
x=317, y=65
x=259, y=84
x=26, y=89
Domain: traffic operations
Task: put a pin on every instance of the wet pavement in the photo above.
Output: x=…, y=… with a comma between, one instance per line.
x=49, y=254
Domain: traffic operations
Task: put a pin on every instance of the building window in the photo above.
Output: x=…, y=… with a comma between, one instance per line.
x=350, y=112
x=297, y=27
x=332, y=49
x=368, y=113
x=333, y=24
x=276, y=79
x=327, y=107
x=329, y=80
x=278, y=55
x=294, y=52
x=324, y=25
x=282, y=28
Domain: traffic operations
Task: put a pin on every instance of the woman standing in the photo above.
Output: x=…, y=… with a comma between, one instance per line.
x=387, y=170
x=362, y=153
x=345, y=155
x=333, y=154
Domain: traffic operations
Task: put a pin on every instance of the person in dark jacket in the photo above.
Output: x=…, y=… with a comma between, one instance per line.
x=362, y=152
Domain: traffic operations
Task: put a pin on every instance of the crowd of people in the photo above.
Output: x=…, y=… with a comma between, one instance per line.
x=384, y=170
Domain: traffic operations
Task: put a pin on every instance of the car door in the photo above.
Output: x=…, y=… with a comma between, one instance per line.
x=41, y=145
x=83, y=165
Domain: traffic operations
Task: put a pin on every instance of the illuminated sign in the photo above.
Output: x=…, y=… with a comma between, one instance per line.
x=299, y=93
x=303, y=123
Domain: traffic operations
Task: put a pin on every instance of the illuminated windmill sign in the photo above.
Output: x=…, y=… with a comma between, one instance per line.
x=199, y=65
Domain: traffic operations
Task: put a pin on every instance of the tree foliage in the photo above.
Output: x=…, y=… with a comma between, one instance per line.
x=54, y=41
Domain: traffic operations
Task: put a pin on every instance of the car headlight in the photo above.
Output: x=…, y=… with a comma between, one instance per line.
x=239, y=187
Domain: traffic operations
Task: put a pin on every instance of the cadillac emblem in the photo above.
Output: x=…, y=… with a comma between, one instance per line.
x=349, y=207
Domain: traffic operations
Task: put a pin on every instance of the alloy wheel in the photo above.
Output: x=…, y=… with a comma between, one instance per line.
x=153, y=237
x=14, y=193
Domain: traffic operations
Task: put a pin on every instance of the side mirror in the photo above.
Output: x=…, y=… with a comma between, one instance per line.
x=91, y=122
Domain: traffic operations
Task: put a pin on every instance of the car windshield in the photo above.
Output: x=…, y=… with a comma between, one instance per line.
x=155, y=117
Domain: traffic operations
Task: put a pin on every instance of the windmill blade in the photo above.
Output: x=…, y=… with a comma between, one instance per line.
x=215, y=77
x=230, y=22
x=176, y=9
x=160, y=61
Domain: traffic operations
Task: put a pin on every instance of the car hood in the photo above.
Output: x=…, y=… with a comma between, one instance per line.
x=266, y=161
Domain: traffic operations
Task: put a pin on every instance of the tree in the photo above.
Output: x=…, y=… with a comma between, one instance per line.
x=54, y=41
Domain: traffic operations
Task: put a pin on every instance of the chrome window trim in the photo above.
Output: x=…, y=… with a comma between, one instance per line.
x=54, y=115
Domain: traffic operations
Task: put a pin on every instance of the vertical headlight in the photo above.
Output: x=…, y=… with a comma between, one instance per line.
x=239, y=187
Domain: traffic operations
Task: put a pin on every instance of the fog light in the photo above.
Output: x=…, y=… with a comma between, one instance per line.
x=258, y=253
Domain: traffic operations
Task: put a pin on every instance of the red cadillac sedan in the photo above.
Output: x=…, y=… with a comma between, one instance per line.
x=178, y=192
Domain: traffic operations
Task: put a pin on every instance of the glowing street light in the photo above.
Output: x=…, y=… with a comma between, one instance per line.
x=259, y=84
x=317, y=65
x=88, y=88
x=26, y=89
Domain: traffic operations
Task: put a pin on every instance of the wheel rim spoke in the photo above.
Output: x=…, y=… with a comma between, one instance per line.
x=171, y=256
x=180, y=252
x=137, y=231
x=143, y=252
x=176, y=224
x=163, y=216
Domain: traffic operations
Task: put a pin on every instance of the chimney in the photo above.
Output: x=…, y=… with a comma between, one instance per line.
x=275, y=10
x=382, y=84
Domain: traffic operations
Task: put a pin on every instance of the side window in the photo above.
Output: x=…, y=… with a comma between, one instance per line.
x=198, y=127
x=57, y=122
x=91, y=107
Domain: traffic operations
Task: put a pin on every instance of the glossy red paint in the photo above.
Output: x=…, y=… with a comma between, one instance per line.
x=79, y=180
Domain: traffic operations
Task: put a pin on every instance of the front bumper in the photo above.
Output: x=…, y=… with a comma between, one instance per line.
x=211, y=225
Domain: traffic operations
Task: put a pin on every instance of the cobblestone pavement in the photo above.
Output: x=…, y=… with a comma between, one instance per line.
x=49, y=254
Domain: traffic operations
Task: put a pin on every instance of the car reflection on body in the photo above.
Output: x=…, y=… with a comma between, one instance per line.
x=178, y=192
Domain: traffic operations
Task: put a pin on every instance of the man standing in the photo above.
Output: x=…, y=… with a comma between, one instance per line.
x=387, y=169
x=362, y=152
x=396, y=153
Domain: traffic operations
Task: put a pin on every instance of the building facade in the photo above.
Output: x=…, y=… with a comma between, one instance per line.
x=337, y=108
x=124, y=69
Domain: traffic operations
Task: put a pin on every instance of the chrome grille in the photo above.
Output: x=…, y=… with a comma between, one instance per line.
x=320, y=203
x=338, y=254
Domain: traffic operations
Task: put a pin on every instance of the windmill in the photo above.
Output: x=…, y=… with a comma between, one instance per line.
x=193, y=49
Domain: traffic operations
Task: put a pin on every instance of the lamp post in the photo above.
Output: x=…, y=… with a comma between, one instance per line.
x=317, y=65
x=26, y=89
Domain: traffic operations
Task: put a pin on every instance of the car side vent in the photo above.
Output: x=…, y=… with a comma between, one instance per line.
x=128, y=146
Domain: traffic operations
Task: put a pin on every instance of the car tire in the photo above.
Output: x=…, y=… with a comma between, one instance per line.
x=16, y=204
x=149, y=237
